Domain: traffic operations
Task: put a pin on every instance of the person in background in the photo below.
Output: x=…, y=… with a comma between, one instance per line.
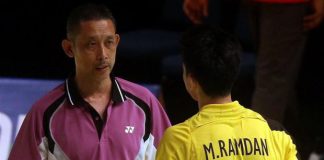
x=222, y=128
x=222, y=12
x=93, y=115
x=280, y=30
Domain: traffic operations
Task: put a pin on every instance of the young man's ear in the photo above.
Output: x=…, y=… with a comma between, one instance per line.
x=67, y=47
x=190, y=83
x=193, y=86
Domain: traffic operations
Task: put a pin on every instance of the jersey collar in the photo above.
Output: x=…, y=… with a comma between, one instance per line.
x=74, y=97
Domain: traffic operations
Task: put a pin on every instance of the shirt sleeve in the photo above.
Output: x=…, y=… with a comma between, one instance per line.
x=175, y=144
x=28, y=142
x=159, y=120
x=291, y=151
x=284, y=140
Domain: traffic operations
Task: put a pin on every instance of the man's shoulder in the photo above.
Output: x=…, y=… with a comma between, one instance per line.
x=273, y=124
x=128, y=85
x=49, y=98
x=251, y=114
x=134, y=89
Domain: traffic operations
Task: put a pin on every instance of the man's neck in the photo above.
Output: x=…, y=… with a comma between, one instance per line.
x=96, y=92
x=89, y=87
x=213, y=100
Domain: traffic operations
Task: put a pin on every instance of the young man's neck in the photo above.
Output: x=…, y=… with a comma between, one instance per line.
x=205, y=100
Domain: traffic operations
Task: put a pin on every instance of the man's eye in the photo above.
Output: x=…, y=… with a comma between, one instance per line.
x=110, y=43
x=92, y=43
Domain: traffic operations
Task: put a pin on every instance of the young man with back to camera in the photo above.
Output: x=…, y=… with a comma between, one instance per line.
x=222, y=129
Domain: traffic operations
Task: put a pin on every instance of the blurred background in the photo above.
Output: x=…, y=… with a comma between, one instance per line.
x=32, y=61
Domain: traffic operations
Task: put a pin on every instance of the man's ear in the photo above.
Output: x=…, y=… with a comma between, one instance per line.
x=192, y=86
x=193, y=82
x=67, y=47
x=117, y=39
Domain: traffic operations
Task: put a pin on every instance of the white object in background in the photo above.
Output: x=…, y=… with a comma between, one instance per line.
x=5, y=135
x=315, y=156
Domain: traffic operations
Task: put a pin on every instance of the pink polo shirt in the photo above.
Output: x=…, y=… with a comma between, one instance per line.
x=62, y=126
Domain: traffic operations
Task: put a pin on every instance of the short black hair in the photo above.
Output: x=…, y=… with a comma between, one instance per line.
x=86, y=12
x=212, y=56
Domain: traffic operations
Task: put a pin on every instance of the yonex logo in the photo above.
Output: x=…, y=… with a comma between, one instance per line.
x=129, y=129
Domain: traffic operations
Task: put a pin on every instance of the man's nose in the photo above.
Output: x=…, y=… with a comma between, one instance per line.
x=102, y=52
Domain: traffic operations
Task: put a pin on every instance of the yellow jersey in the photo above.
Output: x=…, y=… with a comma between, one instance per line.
x=226, y=132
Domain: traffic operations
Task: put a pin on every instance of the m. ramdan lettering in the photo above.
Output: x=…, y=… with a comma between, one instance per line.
x=241, y=146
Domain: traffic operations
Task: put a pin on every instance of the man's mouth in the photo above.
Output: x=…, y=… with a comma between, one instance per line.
x=102, y=67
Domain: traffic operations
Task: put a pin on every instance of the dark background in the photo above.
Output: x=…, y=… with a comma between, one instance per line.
x=32, y=31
